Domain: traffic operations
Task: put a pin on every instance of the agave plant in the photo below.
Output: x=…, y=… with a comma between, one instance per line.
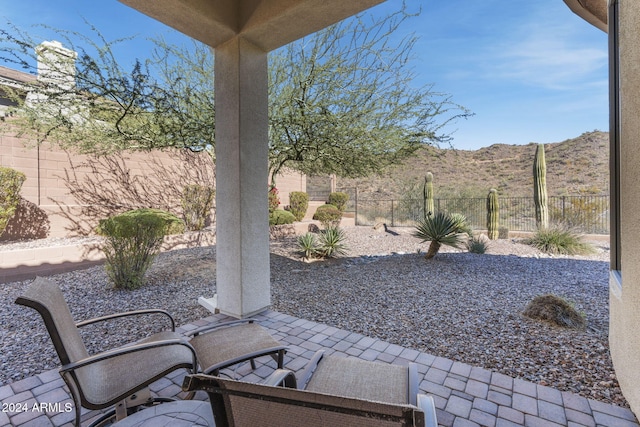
x=478, y=244
x=308, y=244
x=441, y=229
x=331, y=242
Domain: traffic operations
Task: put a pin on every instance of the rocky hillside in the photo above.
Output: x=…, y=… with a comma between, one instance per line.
x=575, y=166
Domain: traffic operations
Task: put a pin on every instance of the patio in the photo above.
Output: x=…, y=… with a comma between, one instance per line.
x=464, y=395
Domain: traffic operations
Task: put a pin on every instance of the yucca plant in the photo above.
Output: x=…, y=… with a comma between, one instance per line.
x=308, y=244
x=441, y=229
x=331, y=244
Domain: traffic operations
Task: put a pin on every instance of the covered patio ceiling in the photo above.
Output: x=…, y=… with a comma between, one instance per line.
x=267, y=24
x=592, y=11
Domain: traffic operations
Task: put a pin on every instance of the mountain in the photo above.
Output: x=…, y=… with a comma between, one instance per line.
x=575, y=166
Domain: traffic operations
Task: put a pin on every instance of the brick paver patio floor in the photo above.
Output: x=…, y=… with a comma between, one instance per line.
x=464, y=395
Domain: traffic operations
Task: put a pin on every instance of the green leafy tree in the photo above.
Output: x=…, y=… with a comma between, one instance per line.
x=165, y=101
x=341, y=101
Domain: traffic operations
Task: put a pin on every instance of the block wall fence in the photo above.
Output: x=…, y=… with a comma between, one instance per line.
x=66, y=194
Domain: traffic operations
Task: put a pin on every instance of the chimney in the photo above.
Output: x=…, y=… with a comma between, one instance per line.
x=56, y=65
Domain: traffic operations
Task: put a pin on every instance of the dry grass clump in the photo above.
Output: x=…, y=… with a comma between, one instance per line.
x=556, y=311
x=560, y=240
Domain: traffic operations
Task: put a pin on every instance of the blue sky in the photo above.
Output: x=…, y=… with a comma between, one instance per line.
x=531, y=71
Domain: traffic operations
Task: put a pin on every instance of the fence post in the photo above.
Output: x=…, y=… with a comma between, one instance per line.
x=356, y=203
x=563, y=200
x=392, y=213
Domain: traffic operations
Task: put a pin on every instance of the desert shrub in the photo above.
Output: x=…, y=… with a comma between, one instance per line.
x=10, y=184
x=308, y=244
x=328, y=215
x=280, y=217
x=462, y=226
x=559, y=240
x=478, y=244
x=133, y=239
x=556, y=311
x=298, y=204
x=339, y=200
x=331, y=243
x=274, y=199
x=582, y=212
x=197, y=201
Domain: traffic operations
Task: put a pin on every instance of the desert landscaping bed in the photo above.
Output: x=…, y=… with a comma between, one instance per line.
x=462, y=306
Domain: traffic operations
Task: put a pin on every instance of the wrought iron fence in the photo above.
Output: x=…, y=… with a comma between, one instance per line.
x=586, y=214
x=323, y=196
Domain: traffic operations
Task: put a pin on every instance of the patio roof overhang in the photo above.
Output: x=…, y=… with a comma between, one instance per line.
x=267, y=24
x=592, y=11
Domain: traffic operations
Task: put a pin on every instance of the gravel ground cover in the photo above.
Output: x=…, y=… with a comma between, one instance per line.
x=462, y=306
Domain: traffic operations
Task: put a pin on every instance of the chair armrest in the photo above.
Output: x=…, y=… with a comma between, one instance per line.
x=130, y=349
x=426, y=405
x=413, y=384
x=246, y=356
x=208, y=328
x=129, y=313
x=310, y=369
x=281, y=378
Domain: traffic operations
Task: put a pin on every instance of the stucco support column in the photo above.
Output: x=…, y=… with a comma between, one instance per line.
x=241, y=104
x=624, y=334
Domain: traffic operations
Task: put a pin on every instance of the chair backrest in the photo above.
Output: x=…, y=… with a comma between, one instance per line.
x=46, y=298
x=242, y=404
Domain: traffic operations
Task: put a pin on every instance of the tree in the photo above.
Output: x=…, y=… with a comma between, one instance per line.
x=341, y=100
x=167, y=101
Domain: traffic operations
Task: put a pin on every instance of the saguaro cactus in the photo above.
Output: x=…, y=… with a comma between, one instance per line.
x=493, y=214
x=427, y=195
x=540, y=188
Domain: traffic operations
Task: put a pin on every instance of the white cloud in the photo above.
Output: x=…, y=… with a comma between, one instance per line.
x=551, y=49
x=550, y=62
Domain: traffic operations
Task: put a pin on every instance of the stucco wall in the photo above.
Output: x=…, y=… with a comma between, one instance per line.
x=287, y=182
x=65, y=194
x=625, y=293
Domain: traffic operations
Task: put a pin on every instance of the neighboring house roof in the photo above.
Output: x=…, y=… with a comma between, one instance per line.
x=592, y=11
x=14, y=77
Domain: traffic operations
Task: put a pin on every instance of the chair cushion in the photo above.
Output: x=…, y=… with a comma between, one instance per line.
x=350, y=377
x=230, y=344
x=184, y=413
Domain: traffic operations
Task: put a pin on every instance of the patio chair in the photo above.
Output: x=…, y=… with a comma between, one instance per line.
x=121, y=376
x=345, y=392
x=352, y=377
